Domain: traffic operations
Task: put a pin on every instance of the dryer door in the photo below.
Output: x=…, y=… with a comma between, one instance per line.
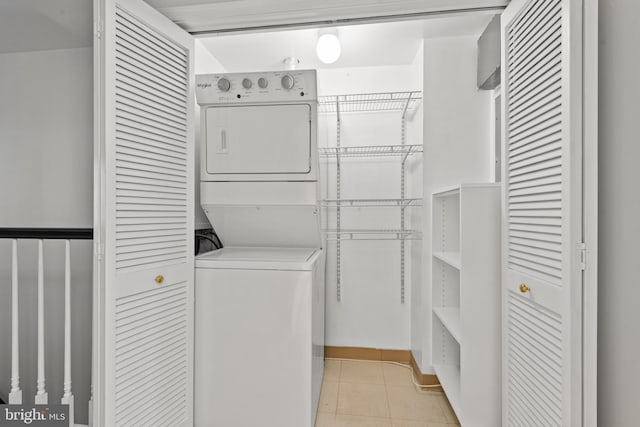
x=257, y=142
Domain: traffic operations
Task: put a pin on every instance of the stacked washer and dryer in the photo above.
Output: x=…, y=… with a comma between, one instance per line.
x=259, y=322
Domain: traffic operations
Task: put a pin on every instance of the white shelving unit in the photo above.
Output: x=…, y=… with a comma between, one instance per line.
x=401, y=102
x=466, y=300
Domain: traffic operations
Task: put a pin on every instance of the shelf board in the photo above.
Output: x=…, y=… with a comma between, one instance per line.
x=449, y=377
x=372, y=234
x=371, y=151
x=371, y=203
x=451, y=258
x=450, y=318
x=452, y=192
x=367, y=102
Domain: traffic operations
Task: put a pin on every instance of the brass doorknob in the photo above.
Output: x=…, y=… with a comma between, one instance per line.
x=159, y=279
x=524, y=288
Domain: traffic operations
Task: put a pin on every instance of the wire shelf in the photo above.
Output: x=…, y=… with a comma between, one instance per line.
x=372, y=234
x=370, y=151
x=371, y=203
x=364, y=102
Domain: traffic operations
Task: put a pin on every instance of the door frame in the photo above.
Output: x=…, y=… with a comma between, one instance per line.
x=364, y=13
x=590, y=214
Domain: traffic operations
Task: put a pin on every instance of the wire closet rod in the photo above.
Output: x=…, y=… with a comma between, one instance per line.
x=368, y=102
x=370, y=150
x=371, y=202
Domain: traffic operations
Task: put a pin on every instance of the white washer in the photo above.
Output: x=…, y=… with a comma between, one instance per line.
x=259, y=339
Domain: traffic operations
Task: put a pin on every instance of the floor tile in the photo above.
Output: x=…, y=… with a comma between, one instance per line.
x=396, y=375
x=430, y=390
x=324, y=419
x=405, y=403
x=363, y=399
x=409, y=423
x=448, y=410
x=332, y=370
x=328, y=397
x=357, y=421
x=355, y=371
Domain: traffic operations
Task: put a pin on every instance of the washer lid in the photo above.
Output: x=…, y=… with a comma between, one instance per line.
x=256, y=258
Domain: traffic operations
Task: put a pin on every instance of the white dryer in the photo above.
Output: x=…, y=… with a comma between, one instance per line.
x=259, y=353
x=259, y=158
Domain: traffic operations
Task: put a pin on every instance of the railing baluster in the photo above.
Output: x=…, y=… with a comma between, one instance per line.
x=67, y=397
x=41, y=397
x=15, y=395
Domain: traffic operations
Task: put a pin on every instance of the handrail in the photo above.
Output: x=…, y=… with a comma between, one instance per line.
x=46, y=233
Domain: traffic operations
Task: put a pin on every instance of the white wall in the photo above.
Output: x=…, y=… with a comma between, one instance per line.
x=416, y=165
x=619, y=214
x=46, y=171
x=456, y=149
x=370, y=313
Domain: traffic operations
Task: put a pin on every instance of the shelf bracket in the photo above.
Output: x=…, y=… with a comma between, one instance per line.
x=338, y=243
x=406, y=106
x=402, y=198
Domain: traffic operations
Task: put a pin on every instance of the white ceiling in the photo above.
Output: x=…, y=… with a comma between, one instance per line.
x=366, y=45
x=180, y=3
x=29, y=25
x=201, y=16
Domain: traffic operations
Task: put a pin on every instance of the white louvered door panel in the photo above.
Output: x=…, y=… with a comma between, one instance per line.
x=145, y=217
x=542, y=213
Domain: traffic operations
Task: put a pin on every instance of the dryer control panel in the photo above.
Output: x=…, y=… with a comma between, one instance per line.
x=268, y=86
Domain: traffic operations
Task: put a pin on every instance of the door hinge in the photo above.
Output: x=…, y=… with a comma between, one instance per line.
x=99, y=250
x=582, y=255
x=97, y=29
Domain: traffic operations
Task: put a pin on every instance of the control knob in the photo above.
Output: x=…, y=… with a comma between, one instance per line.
x=224, y=84
x=247, y=83
x=263, y=83
x=288, y=81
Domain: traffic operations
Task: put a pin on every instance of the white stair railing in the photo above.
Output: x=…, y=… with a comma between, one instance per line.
x=42, y=397
x=67, y=398
x=15, y=395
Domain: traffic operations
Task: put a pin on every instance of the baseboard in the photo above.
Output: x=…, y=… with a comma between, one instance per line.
x=423, y=379
x=383, y=355
x=364, y=353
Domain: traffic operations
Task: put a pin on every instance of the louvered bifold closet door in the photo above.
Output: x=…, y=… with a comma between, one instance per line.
x=148, y=218
x=542, y=213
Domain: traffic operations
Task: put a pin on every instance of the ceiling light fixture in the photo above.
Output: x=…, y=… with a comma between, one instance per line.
x=291, y=62
x=328, y=48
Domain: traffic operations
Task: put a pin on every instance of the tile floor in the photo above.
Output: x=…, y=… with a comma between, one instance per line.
x=377, y=394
